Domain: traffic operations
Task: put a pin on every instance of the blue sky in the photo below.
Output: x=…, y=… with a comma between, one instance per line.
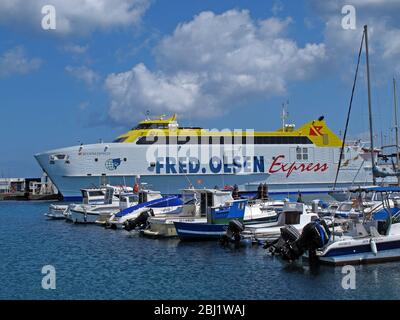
x=62, y=87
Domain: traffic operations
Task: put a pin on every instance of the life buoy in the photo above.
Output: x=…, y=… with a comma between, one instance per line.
x=136, y=188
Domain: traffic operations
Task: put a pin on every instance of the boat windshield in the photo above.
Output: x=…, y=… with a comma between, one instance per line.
x=345, y=207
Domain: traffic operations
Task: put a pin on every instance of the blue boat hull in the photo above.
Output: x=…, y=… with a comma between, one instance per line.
x=199, y=231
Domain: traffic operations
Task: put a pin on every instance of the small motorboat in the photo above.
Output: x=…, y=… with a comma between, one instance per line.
x=94, y=210
x=91, y=196
x=151, y=203
x=57, y=212
x=295, y=214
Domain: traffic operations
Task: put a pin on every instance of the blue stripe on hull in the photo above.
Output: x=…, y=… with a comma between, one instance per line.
x=171, y=201
x=199, y=231
x=382, y=246
x=73, y=199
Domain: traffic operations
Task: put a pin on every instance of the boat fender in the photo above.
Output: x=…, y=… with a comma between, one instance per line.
x=374, y=249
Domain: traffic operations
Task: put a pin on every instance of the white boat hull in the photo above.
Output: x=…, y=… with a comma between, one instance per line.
x=91, y=214
x=274, y=164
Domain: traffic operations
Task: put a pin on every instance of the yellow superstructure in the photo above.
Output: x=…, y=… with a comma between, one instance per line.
x=317, y=131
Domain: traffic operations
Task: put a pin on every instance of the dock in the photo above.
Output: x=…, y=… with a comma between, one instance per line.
x=28, y=189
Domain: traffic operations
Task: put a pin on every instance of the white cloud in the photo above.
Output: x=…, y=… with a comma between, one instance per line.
x=212, y=64
x=15, y=61
x=381, y=16
x=84, y=74
x=277, y=7
x=73, y=16
x=75, y=48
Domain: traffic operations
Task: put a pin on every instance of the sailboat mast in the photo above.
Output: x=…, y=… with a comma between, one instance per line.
x=371, y=131
x=396, y=127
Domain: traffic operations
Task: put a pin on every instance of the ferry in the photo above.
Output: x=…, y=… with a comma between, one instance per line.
x=169, y=158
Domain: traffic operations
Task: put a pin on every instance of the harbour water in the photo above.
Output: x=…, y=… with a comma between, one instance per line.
x=94, y=263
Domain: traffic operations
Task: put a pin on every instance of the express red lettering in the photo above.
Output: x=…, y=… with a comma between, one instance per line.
x=278, y=166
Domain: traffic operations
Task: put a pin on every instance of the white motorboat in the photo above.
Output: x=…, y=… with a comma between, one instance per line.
x=91, y=211
x=91, y=196
x=295, y=214
x=57, y=212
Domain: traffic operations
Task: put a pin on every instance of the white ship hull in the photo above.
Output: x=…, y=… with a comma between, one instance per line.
x=287, y=164
x=276, y=165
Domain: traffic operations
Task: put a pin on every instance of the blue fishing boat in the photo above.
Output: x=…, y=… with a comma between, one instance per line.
x=220, y=209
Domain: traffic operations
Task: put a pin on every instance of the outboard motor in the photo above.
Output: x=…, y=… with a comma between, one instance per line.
x=289, y=234
x=235, y=228
x=140, y=222
x=291, y=245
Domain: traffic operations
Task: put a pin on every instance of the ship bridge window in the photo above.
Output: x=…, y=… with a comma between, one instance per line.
x=120, y=140
x=280, y=140
x=220, y=140
x=147, y=140
x=153, y=139
x=57, y=157
x=302, y=154
x=144, y=126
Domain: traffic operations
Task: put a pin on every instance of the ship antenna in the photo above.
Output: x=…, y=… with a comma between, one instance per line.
x=285, y=114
